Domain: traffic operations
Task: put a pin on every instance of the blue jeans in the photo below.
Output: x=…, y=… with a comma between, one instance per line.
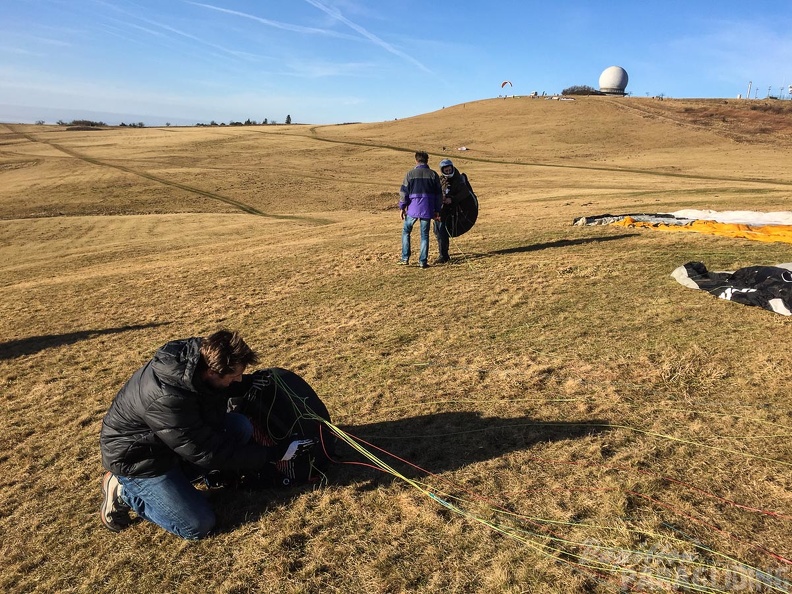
x=407, y=230
x=171, y=501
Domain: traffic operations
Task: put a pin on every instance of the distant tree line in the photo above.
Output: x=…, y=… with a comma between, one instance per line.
x=247, y=122
x=581, y=90
x=81, y=123
x=93, y=124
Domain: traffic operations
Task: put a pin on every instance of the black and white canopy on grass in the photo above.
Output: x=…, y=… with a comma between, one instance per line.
x=769, y=287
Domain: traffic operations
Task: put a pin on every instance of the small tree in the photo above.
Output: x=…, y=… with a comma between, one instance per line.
x=264, y=121
x=288, y=119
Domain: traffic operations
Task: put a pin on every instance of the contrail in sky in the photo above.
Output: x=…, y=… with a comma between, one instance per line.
x=167, y=28
x=276, y=24
x=370, y=36
x=194, y=38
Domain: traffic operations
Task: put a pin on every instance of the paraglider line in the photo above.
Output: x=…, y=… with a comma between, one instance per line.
x=592, y=566
x=545, y=549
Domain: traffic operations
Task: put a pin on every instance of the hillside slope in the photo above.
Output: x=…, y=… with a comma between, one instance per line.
x=281, y=170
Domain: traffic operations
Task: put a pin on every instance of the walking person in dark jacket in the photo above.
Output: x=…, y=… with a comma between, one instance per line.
x=169, y=418
x=420, y=195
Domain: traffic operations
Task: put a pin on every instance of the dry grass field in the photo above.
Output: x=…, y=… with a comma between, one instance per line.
x=590, y=424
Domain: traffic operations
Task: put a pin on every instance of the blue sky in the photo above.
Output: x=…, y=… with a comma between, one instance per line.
x=334, y=61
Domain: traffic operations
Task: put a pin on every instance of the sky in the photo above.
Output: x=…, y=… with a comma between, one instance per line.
x=183, y=62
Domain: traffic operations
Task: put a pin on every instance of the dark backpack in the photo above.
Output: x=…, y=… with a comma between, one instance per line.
x=283, y=407
x=460, y=217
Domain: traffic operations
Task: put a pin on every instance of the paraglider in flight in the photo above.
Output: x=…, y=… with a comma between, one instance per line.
x=506, y=82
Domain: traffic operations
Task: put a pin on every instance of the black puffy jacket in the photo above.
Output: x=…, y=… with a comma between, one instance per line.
x=160, y=417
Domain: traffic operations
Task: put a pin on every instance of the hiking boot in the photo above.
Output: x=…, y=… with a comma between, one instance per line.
x=423, y=265
x=404, y=262
x=114, y=511
x=442, y=261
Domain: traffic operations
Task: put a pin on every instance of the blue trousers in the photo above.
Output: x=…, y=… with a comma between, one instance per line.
x=409, y=222
x=171, y=501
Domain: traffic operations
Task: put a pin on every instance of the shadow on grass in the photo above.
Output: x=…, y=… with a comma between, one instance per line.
x=536, y=247
x=436, y=443
x=448, y=441
x=560, y=244
x=34, y=344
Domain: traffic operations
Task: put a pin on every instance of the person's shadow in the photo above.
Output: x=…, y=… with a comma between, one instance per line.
x=537, y=247
x=433, y=443
x=442, y=442
x=34, y=344
x=561, y=243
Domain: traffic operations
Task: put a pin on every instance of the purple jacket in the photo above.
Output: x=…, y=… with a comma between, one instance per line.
x=421, y=193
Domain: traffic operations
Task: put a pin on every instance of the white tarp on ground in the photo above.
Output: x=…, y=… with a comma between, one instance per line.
x=742, y=217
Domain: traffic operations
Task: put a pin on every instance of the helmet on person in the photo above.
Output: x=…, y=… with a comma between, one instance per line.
x=444, y=164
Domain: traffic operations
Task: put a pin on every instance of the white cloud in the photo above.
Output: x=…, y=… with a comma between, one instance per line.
x=737, y=51
x=19, y=51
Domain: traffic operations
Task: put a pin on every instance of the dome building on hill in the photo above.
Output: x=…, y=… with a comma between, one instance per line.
x=613, y=81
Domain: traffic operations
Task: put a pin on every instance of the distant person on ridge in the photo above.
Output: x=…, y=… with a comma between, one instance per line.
x=455, y=189
x=421, y=200
x=169, y=426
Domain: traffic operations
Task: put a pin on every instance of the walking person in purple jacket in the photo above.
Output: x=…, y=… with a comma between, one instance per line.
x=421, y=200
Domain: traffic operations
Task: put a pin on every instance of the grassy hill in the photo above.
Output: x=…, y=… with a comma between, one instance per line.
x=615, y=427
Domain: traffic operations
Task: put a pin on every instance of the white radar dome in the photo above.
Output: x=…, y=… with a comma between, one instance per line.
x=613, y=80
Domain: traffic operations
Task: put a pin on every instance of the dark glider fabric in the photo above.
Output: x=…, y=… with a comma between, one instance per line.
x=768, y=287
x=461, y=216
x=283, y=407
